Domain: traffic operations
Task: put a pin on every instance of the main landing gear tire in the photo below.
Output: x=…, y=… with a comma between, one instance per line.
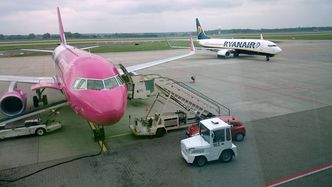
x=200, y=161
x=239, y=137
x=267, y=58
x=40, y=132
x=160, y=132
x=226, y=156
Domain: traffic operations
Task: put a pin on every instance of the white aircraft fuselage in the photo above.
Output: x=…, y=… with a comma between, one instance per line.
x=243, y=46
x=228, y=47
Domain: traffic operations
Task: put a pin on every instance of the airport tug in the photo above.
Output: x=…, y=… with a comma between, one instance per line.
x=213, y=143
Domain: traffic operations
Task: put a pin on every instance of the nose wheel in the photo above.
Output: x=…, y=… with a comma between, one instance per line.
x=99, y=133
x=99, y=136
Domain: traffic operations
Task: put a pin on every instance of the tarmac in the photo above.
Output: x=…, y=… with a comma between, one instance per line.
x=286, y=104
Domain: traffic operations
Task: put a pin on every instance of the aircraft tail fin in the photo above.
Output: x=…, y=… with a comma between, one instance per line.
x=200, y=32
x=61, y=31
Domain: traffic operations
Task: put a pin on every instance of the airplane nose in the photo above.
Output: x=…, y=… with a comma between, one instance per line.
x=278, y=50
x=107, y=107
x=109, y=112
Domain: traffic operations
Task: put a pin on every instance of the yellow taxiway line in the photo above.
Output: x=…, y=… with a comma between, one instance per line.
x=101, y=143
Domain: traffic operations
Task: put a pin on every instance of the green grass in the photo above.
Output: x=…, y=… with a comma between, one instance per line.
x=147, y=44
x=137, y=46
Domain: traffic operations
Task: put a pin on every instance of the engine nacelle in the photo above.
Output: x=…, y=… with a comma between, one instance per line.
x=224, y=52
x=13, y=102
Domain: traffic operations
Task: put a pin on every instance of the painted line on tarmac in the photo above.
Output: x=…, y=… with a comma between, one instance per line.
x=104, y=147
x=119, y=135
x=300, y=175
x=92, y=126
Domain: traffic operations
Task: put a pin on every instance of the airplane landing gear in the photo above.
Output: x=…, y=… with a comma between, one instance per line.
x=40, y=98
x=267, y=58
x=99, y=136
x=99, y=133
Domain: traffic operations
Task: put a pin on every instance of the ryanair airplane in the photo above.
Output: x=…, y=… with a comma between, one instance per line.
x=235, y=47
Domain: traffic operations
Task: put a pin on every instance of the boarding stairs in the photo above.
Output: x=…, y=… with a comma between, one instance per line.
x=190, y=99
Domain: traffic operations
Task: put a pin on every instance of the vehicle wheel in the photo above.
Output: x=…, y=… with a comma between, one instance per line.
x=226, y=156
x=267, y=58
x=239, y=137
x=160, y=132
x=40, y=131
x=44, y=99
x=200, y=161
x=35, y=101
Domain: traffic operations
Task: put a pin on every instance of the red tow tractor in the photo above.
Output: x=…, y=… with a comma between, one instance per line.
x=238, y=130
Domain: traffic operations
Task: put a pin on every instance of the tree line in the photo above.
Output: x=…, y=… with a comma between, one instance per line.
x=69, y=35
x=46, y=36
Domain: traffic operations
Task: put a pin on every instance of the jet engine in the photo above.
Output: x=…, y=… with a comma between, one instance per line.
x=13, y=102
x=224, y=53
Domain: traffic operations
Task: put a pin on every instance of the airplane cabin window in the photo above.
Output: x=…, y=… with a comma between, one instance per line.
x=95, y=85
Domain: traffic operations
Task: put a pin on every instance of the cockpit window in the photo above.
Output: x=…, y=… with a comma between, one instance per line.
x=95, y=84
x=119, y=80
x=272, y=45
x=80, y=84
x=110, y=83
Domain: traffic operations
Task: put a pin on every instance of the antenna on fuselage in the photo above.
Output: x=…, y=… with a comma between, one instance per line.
x=262, y=37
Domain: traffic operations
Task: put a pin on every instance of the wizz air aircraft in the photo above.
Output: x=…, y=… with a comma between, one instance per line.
x=91, y=84
x=235, y=47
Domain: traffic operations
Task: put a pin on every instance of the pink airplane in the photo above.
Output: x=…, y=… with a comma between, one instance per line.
x=92, y=85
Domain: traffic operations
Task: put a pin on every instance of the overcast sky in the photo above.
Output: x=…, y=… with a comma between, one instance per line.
x=109, y=16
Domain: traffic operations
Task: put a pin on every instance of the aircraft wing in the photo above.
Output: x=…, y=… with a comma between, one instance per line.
x=38, y=82
x=38, y=50
x=196, y=48
x=158, y=62
x=90, y=47
x=28, y=79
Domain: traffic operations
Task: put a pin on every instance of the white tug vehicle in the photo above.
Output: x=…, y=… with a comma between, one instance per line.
x=213, y=143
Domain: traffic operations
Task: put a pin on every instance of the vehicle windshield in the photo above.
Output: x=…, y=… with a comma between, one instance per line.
x=97, y=84
x=204, y=132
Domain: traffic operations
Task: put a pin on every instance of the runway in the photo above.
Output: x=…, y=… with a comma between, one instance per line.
x=286, y=104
